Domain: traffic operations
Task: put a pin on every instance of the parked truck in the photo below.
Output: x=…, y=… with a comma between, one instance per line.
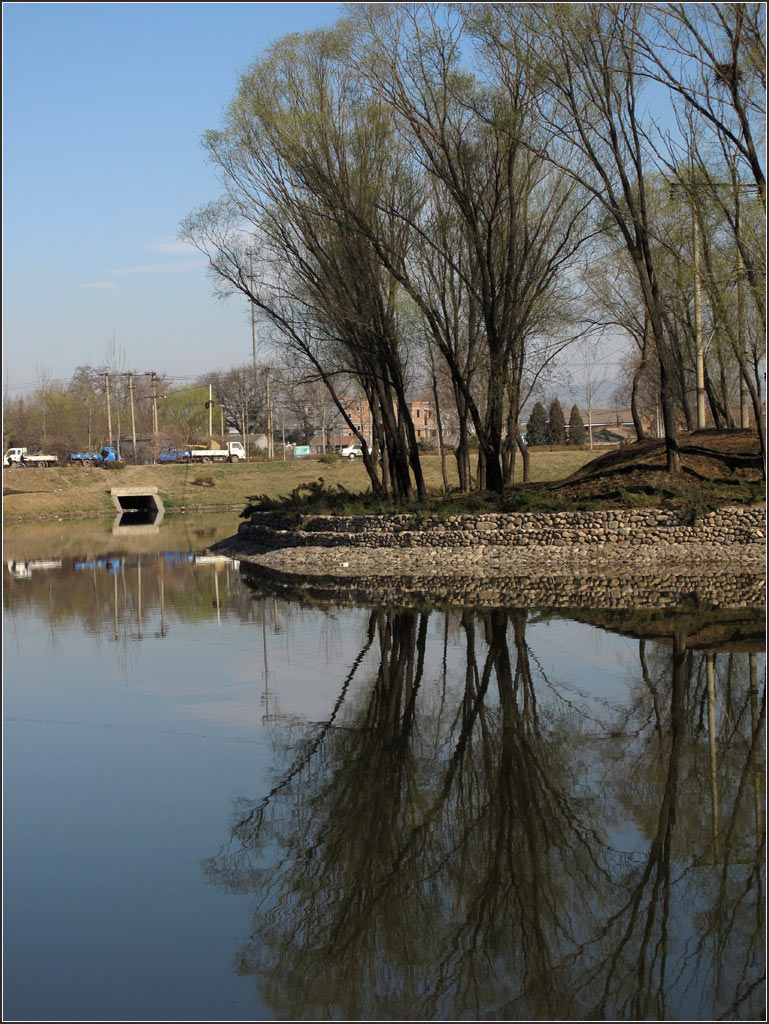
x=86, y=459
x=232, y=452
x=21, y=458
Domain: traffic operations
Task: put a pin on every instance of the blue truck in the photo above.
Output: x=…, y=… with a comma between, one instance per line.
x=87, y=459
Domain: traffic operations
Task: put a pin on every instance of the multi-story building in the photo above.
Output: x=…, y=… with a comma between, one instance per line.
x=359, y=413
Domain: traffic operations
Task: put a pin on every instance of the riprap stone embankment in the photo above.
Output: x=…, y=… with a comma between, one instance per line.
x=612, y=558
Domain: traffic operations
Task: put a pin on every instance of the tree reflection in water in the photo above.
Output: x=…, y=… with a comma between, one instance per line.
x=455, y=850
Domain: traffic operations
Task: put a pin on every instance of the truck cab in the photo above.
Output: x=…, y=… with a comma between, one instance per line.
x=14, y=455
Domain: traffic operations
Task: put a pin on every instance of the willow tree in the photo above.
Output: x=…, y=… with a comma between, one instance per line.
x=591, y=78
x=305, y=155
x=522, y=220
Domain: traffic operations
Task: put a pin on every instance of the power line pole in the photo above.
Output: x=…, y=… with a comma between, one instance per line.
x=253, y=310
x=133, y=419
x=154, y=378
x=744, y=397
x=210, y=413
x=270, y=448
x=698, y=345
x=109, y=412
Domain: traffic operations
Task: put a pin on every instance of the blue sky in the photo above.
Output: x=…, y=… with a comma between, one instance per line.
x=103, y=109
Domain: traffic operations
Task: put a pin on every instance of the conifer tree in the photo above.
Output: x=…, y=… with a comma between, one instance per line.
x=536, y=428
x=556, y=427
x=576, y=427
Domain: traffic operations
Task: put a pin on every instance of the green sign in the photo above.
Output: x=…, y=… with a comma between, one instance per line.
x=300, y=450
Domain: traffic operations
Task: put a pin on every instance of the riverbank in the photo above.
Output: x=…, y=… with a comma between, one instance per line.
x=618, y=558
x=68, y=492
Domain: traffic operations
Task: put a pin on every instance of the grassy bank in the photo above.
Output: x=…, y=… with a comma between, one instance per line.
x=66, y=492
x=716, y=470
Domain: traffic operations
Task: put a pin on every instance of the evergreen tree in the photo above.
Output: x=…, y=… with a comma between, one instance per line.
x=576, y=427
x=556, y=427
x=536, y=428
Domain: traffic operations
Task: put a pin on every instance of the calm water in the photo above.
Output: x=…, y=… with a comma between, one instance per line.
x=223, y=804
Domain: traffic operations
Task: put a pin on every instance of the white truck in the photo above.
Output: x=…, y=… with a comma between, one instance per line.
x=21, y=458
x=233, y=452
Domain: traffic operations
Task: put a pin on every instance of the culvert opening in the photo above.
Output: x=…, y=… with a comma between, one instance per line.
x=137, y=503
x=138, y=507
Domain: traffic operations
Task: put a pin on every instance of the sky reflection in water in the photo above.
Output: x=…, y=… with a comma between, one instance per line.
x=224, y=804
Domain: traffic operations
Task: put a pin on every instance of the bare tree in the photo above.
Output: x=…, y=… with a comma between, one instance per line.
x=521, y=220
x=305, y=154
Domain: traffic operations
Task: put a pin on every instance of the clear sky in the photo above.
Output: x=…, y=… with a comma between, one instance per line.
x=103, y=109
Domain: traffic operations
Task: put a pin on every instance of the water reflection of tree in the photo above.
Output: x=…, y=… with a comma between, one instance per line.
x=693, y=913
x=441, y=850
x=423, y=863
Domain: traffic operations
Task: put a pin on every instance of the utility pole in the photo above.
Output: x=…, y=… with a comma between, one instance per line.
x=154, y=378
x=253, y=310
x=210, y=414
x=699, y=347
x=744, y=397
x=131, y=401
x=109, y=412
x=270, y=448
x=700, y=351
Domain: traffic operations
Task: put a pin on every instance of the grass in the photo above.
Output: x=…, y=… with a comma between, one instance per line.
x=717, y=469
x=73, y=491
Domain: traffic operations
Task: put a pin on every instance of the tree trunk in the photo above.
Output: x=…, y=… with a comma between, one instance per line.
x=440, y=435
x=524, y=455
x=462, y=452
x=716, y=409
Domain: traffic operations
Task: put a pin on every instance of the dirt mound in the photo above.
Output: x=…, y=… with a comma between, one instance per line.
x=716, y=468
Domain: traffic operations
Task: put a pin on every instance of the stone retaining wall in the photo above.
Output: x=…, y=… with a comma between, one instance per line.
x=628, y=529
x=611, y=559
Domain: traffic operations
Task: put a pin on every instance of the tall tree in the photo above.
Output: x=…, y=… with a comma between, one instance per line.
x=522, y=220
x=591, y=81
x=306, y=154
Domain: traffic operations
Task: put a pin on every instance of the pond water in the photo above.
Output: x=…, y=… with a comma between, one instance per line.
x=224, y=802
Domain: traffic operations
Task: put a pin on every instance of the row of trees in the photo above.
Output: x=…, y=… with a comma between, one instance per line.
x=550, y=427
x=101, y=405
x=461, y=191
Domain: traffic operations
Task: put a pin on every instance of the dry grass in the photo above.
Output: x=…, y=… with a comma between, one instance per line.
x=717, y=469
x=66, y=492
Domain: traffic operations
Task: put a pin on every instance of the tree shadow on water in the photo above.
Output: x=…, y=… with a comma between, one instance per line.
x=441, y=847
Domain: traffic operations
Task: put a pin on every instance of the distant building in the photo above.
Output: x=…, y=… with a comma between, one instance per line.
x=610, y=426
x=359, y=413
